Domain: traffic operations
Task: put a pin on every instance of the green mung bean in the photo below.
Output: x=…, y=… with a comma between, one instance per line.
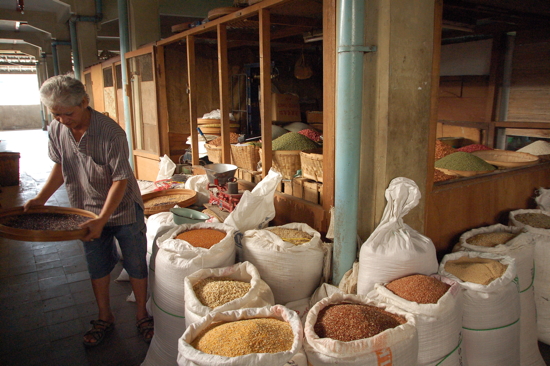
x=293, y=141
x=463, y=161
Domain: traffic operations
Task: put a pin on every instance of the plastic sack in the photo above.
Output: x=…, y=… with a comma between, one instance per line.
x=258, y=296
x=166, y=168
x=543, y=199
x=188, y=355
x=199, y=183
x=395, y=346
x=491, y=320
x=256, y=208
x=394, y=249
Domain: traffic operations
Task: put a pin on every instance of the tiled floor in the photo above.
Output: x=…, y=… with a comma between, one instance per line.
x=46, y=299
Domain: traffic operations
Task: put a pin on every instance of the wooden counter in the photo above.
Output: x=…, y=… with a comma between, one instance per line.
x=456, y=206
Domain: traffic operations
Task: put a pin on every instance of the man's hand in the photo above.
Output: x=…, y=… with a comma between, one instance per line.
x=95, y=227
x=33, y=202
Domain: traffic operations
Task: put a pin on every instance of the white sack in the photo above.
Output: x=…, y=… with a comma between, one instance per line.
x=199, y=183
x=522, y=249
x=166, y=168
x=258, y=296
x=394, y=249
x=256, y=208
x=439, y=325
x=302, y=306
x=175, y=260
x=189, y=356
x=543, y=199
x=397, y=346
x=541, y=286
x=293, y=272
x=491, y=321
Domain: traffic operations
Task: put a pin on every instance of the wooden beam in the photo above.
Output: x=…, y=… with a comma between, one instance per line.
x=265, y=89
x=223, y=75
x=162, y=110
x=192, y=94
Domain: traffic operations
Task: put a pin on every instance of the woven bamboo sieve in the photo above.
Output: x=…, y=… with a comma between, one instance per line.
x=245, y=156
x=312, y=165
x=286, y=162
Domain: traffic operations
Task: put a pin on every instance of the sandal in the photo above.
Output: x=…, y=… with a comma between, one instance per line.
x=98, y=331
x=146, y=328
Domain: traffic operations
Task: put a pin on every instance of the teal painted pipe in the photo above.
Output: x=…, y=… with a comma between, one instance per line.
x=124, y=47
x=349, y=94
x=74, y=47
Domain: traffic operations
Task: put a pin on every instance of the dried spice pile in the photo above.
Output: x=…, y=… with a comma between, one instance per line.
x=463, y=161
x=491, y=239
x=311, y=134
x=243, y=337
x=349, y=322
x=419, y=288
x=474, y=147
x=537, y=220
x=216, y=291
x=442, y=149
x=482, y=271
x=233, y=139
x=292, y=236
x=45, y=221
x=293, y=141
x=202, y=238
x=439, y=176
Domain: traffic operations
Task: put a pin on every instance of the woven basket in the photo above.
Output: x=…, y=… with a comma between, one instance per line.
x=286, y=162
x=312, y=165
x=215, y=154
x=245, y=156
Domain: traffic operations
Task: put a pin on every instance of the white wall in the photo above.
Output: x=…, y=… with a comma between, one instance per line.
x=469, y=58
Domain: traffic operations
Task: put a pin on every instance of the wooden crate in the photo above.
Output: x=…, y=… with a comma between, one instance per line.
x=9, y=166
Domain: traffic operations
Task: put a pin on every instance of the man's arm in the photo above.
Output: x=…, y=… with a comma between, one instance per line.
x=114, y=197
x=55, y=180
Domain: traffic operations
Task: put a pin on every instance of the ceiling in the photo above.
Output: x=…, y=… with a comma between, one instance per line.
x=463, y=20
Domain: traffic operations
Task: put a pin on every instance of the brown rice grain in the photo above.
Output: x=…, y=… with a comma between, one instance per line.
x=491, y=239
x=293, y=236
x=349, y=322
x=419, y=288
x=537, y=220
x=482, y=271
x=202, y=238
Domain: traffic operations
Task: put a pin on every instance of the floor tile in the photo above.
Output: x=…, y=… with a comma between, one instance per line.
x=50, y=272
x=58, y=303
x=61, y=315
x=55, y=291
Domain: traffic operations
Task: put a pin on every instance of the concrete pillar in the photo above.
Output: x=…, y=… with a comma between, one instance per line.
x=86, y=32
x=397, y=100
x=64, y=59
x=144, y=22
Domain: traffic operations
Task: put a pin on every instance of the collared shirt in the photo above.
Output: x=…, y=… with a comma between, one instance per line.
x=91, y=165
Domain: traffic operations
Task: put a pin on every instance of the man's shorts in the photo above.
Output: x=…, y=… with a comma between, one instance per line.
x=102, y=254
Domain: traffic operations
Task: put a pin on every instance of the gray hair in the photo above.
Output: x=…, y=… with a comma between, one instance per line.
x=62, y=91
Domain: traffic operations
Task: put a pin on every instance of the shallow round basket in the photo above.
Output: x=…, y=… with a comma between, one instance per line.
x=43, y=235
x=506, y=158
x=464, y=173
x=163, y=201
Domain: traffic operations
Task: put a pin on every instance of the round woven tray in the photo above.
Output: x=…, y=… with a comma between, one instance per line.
x=163, y=201
x=43, y=235
x=506, y=158
x=464, y=173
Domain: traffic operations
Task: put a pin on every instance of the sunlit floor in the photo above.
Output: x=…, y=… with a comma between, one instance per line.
x=46, y=299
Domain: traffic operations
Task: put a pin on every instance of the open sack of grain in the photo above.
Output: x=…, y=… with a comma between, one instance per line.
x=178, y=257
x=514, y=242
x=270, y=336
x=491, y=306
x=290, y=259
x=543, y=199
x=394, y=249
x=351, y=330
x=436, y=303
x=221, y=289
x=537, y=224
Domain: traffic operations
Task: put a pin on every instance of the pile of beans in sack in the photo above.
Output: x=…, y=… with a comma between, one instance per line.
x=436, y=303
x=516, y=243
x=491, y=306
x=182, y=250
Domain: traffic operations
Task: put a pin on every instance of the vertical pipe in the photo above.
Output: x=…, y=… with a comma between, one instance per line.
x=55, y=60
x=124, y=46
x=74, y=46
x=349, y=91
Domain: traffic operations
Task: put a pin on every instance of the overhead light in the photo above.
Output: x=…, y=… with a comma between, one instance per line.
x=17, y=25
x=313, y=36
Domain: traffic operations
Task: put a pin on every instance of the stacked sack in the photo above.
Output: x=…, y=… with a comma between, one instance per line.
x=491, y=320
x=179, y=255
x=537, y=224
x=513, y=242
x=436, y=303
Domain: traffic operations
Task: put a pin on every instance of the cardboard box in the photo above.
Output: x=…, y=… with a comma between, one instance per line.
x=285, y=108
x=314, y=116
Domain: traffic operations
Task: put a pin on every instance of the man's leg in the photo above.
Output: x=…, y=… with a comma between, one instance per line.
x=139, y=286
x=101, y=292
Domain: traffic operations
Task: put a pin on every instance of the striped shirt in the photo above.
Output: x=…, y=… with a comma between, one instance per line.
x=91, y=165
